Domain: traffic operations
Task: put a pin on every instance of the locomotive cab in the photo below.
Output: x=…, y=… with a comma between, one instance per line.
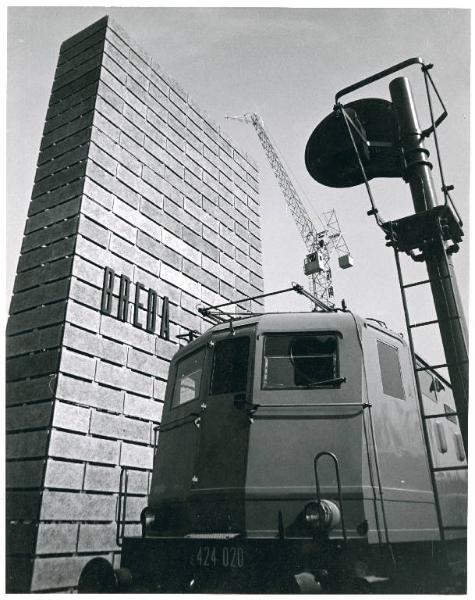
x=290, y=451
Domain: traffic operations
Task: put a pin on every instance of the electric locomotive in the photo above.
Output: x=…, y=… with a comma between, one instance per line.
x=291, y=457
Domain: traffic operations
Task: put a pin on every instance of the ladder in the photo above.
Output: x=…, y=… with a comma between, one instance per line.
x=418, y=368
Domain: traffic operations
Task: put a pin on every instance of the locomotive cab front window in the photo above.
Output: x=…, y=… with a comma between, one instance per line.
x=188, y=378
x=295, y=361
x=230, y=366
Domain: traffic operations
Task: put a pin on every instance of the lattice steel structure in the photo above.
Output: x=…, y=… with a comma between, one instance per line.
x=321, y=243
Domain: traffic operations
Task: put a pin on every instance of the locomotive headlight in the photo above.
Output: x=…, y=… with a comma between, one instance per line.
x=312, y=515
x=322, y=516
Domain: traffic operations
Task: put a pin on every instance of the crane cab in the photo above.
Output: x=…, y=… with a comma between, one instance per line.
x=313, y=263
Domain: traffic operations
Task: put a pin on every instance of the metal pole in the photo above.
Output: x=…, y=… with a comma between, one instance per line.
x=448, y=306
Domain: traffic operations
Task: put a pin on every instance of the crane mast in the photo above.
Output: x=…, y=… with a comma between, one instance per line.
x=319, y=244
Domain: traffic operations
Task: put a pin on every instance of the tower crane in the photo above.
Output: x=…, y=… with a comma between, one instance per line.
x=320, y=243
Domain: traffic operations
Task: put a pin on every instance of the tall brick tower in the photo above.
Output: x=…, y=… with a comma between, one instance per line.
x=141, y=210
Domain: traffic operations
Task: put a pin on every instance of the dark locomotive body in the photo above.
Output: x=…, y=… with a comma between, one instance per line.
x=291, y=457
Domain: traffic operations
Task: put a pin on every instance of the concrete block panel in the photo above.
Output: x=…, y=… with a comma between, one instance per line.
x=72, y=446
x=29, y=444
x=45, y=254
x=71, y=417
x=48, y=235
x=38, y=415
x=21, y=537
x=35, y=340
x=81, y=292
x=148, y=408
x=64, y=475
x=58, y=196
x=79, y=365
x=82, y=392
x=57, y=538
x=29, y=390
x=82, y=316
x=133, y=455
x=26, y=474
x=23, y=506
x=58, y=573
x=84, y=341
x=119, y=427
x=100, y=478
x=124, y=379
x=97, y=538
x=18, y=570
x=54, y=215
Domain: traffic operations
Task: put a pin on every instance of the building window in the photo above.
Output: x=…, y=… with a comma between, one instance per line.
x=293, y=361
x=188, y=378
x=230, y=366
x=390, y=370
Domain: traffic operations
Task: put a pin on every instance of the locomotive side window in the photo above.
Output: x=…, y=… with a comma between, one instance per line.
x=230, y=366
x=293, y=361
x=390, y=371
x=188, y=378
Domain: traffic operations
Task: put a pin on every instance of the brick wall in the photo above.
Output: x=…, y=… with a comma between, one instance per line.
x=133, y=176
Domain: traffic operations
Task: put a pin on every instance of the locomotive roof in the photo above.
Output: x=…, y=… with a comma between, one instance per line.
x=296, y=321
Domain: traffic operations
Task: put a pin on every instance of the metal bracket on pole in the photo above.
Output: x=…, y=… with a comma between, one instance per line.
x=390, y=71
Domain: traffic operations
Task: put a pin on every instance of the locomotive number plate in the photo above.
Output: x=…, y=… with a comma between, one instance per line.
x=219, y=556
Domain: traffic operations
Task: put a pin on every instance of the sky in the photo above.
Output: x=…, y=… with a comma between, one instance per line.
x=286, y=64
